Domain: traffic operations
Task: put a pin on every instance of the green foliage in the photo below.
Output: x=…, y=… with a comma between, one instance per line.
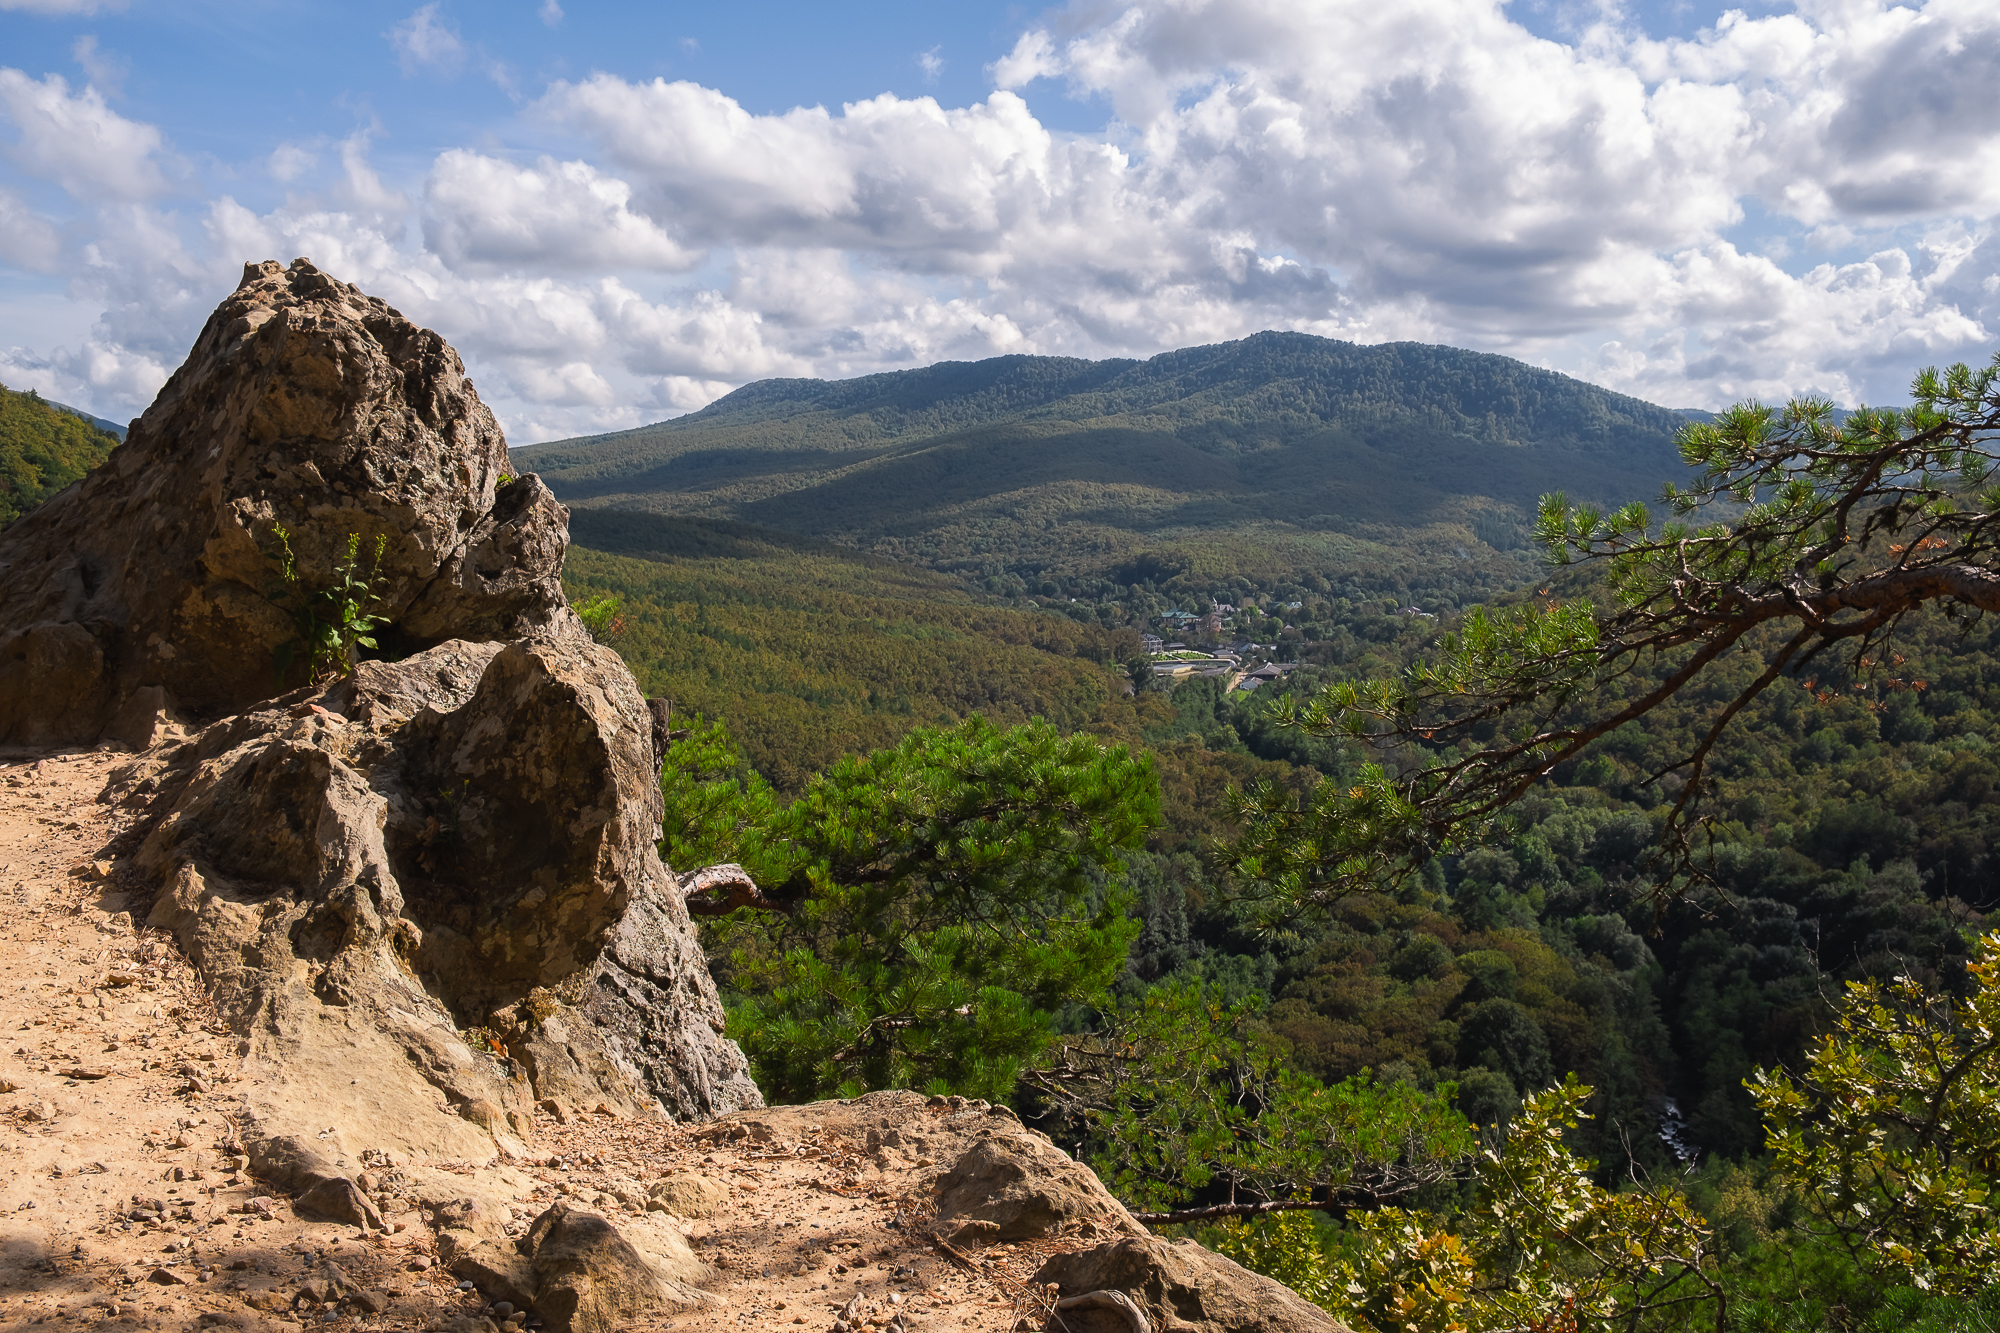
x=1544, y=1247
x=1178, y=1094
x=1289, y=1247
x=1279, y=452
x=812, y=656
x=1841, y=531
x=1892, y=1131
x=330, y=621
x=929, y=906
x=43, y=448
x=600, y=615
x=1851, y=804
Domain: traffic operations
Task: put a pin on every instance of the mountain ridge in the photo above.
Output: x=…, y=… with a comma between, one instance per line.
x=1286, y=432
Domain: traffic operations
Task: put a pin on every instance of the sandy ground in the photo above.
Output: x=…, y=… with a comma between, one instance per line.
x=124, y=1202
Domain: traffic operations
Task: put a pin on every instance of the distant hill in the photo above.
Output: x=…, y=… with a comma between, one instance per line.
x=105, y=424
x=44, y=447
x=1279, y=439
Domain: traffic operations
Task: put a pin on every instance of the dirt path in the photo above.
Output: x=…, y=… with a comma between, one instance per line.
x=124, y=1203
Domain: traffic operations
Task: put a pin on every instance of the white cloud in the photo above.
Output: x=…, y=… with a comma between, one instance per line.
x=289, y=161
x=551, y=13
x=931, y=63
x=1428, y=169
x=554, y=215
x=1033, y=57
x=361, y=187
x=78, y=142
x=427, y=40
x=678, y=393
x=107, y=69
x=1776, y=204
x=96, y=376
x=571, y=384
x=27, y=239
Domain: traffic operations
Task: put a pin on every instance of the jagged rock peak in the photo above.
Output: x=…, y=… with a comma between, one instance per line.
x=308, y=405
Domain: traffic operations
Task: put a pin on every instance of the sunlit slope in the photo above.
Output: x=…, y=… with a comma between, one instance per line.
x=44, y=447
x=1280, y=434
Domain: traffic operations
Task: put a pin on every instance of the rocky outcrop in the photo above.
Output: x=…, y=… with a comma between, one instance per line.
x=457, y=841
x=152, y=585
x=424, y=895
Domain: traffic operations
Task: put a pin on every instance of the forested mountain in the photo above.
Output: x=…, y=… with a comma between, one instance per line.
x=1283, y=444
x=763, y=562
x=44, y=447
x=105, y=424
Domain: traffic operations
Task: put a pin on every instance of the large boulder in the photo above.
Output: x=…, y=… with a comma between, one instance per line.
x=1020, y=1186
x=424, y=894
x=153, y=585
x=445, y=844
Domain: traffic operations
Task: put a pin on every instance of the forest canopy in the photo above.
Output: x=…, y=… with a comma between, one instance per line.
x=43, y=448
x=1838, y=829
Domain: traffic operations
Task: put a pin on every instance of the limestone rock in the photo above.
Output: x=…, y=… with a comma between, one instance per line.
x=591, y=1279
x=1019, y=1186
x=450, y=837
x=338, y=1198
x=499, y=1272
x=1180, y=1287
x=148, y=586
x=458, y=840
x=687, y=1195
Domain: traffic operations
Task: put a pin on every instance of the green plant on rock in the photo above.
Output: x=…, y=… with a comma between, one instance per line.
x=601, y=615
x=329, y=622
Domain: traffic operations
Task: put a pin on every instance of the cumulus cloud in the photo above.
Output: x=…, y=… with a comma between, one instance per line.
x=27, y=239
x=289, y=161
x=78, y=142
x=427, y=40
x=99, y=374
x=1033, y=57
x=1799, y=201
x=552, y=216
x=361, y=186
x=1423, y=170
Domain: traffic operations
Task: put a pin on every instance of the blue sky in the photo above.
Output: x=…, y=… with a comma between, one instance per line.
x=618, y=212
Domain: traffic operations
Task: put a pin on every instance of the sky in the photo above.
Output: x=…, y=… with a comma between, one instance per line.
x=618, y=212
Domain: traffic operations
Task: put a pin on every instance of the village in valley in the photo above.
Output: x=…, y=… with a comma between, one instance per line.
x=1247, y=666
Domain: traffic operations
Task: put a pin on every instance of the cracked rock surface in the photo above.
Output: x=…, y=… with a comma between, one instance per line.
x=145, y=588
